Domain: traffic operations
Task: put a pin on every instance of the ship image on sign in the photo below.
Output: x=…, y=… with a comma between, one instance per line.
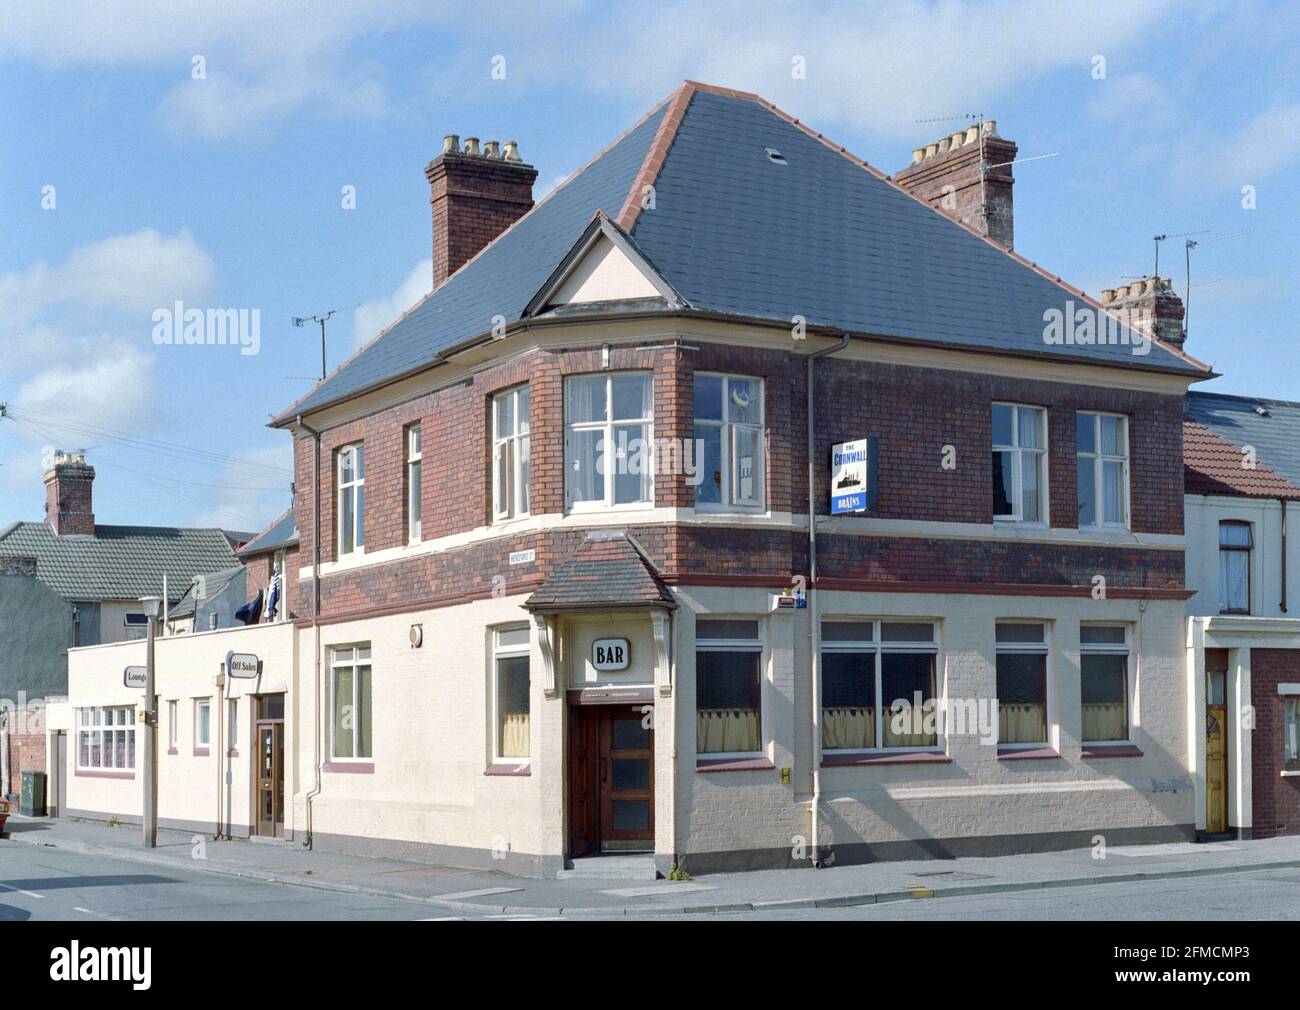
x=853, y=476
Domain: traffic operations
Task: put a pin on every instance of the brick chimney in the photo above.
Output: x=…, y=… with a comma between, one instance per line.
x=476, y=195
x=68, y=507
x=947, y=175
x=1150, y=305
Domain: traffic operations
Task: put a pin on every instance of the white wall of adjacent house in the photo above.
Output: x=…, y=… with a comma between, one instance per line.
x=1202, y=516
x=106, y=752
x=112, y=621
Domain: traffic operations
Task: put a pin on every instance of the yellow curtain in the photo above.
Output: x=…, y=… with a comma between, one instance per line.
x=852, y=728
x=1022, y=723
x=727, y=730
x=514, y=734
x=911, y=719
x=1105, y=720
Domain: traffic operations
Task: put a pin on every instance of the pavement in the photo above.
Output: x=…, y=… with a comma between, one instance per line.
x=480, y=892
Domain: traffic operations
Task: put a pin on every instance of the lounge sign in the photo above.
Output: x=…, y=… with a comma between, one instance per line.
x=135, y=676
x=610, y=653
x=242, y=665
x=853, y=476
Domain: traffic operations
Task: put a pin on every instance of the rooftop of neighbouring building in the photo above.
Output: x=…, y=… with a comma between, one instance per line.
x=283, y=532
x=755, y=217
x=1220, y=431
x=121, y=562
x=205, y=587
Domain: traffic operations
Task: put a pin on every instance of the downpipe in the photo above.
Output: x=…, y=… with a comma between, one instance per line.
x=315, y=622
x=814, y=612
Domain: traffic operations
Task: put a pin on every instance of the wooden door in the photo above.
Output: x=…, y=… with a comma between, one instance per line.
x=1216, y=768
x=626, y=779
x=584, y=779
x=270, y=778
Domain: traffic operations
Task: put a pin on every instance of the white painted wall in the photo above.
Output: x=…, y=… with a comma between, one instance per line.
x=1201, y=517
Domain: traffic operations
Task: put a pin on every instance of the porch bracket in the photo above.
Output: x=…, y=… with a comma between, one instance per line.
x=663, y=671
x=547, y=646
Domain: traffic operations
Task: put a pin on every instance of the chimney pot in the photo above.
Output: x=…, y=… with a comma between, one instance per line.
x=492, y=149
x=931, y=150
x=917, y=154
x=511, y=152
x=957, y=139
x=972, y=134
x=451, y=144
x=1107, y=294
x=471, y=147
x=990, y=127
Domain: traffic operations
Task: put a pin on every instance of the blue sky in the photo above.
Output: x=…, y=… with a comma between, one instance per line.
x=225, y=189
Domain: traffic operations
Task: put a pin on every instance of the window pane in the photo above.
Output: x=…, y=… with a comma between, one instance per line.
x=584, y=399
x=1110, y=436
x=847, y=631
x=360, y=452
x=1112, y=482
x=902, y=676
x=586, y=482
x=504, y=403
x=631, y=773
x=511, y=637
x=727, y=702
x=713, y=628
x=1012, y=632
x=745, y=484
x=1003, y=488
x=346, y=522
x=1104, y=686
x=848, y=700
x=1022, y=697
x=413, y=442
x=1291, y=732
x=709, y=489
x=708, y=397
x=363, y=712
x=521, y=411
x=1087, y=492
x=1002, y=431
x=1086, y=428
x=1234, y=535
x=1029, y=510
x=906, y=631
x=513, y=706
x=344, y=716
x=634, y=463
x=1096, y=634
x=347, y=472
x=415, y=498
x=1234, y=580
x=632, y=397
x=630, y=815
x=629, y=734
x=1028, y=425
x=361, y=515
x=525, y=472
x=505, y=467
x=743, y=401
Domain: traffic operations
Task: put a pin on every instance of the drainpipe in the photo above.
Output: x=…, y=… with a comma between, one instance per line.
x=1283, y=603
x=219, y=715
x=315, y=619
x=814, y=619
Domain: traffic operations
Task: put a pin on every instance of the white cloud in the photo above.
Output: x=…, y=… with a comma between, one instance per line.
x=246, y=496
x=1257, y=151
x=378, y=313
x=112, y=387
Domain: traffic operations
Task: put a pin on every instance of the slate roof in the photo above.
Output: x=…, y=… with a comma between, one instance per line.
x=607, y=571
x=1274, y=433
x=120, y=562
x=1213, y=465
x=283, y=532
x=213, y=584
x=824, y=236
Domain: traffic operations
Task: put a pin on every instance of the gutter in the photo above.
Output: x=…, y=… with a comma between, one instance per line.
x=315, y=620
x=814, y=620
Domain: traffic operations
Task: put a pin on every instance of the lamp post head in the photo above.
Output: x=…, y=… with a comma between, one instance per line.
x=152, y=606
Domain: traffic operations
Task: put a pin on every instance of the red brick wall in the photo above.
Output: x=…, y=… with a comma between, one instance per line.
x=26, y=739
x=258, y=576
x=1275, y=801
x=915, y=412
x=473, y=201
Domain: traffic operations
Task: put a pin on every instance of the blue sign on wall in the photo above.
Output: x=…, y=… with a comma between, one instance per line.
x=853, y=476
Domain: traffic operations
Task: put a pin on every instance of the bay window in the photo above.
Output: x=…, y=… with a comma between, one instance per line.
x=106, y=738
x=1021, y=651
x=511, y=691
x=1102, y=441
x=1235, y=544
x=729, y=441
x=351, y=482
x=351, y=702
x=1104, y=683
x=878, y=685
x=1019, y=463
x=728, y=687
x=608, y=445
x=511, y=454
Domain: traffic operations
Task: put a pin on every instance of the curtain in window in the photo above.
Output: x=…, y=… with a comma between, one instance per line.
x=1234, y=580
x=514, y=706
x=515, y=730
x=1105, y=720
x=1022, y=723
x=344, y=715
x=848, y=728
x=720, y=730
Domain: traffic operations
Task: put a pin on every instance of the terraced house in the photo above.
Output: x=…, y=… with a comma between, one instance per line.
x=557, y=592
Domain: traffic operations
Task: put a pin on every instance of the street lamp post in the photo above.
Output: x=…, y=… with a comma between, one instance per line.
x=152, y=608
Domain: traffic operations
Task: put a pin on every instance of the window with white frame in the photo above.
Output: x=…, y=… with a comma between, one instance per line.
x=1104, y=682
x=511, y=694
x=511, y=453
x=728, y=687
x=351, y=461
x=1022, y=682
x=173, y=729
x=729, y=441
x=878, y=685
x=1235, y=544
x=350, y=702
x=232, y=724
x=1291, y=731
x=414, y=466
x=1019, y=463
x=202, y=722
x=106, y=738
x=609, y=440
x=1102, y=441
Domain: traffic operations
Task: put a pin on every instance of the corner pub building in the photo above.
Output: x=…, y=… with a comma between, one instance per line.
x=558, y=596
